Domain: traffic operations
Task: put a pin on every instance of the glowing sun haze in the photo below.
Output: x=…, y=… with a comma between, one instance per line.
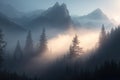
x=59, y=45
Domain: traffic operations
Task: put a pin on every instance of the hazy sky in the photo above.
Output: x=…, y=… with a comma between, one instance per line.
x=76, y=7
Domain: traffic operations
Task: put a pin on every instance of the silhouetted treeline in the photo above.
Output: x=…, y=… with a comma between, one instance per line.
x=109, y=70
x=4, y=75
x=104, y=64
x=109, y=46
x=29, y=50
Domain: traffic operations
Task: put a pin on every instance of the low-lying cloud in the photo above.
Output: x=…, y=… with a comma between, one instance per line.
x=59, y=45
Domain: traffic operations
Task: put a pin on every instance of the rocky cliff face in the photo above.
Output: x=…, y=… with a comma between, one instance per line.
x=56, y=16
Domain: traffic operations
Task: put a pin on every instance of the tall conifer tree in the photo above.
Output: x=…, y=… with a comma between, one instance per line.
x=28, y=49
x=43, y=42
x=103, y=35
x=2, y=46
x=18, y=52
x=75, y=48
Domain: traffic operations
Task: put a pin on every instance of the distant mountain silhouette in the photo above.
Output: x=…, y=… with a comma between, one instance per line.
x=93, y=20
x=96, y=15
x=9, y=10
x=56, y=16
x=27, y=17
x=8, y=26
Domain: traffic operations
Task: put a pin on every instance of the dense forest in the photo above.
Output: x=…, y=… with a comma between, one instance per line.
x=53, y=44
x=102, y=64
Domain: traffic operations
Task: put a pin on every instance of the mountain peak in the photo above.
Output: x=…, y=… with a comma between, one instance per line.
x=97, y=14
x=9, y=11
x=64, y=5
x=98, y=11
x=57, y=15
x=57, y=4
x=58, y=9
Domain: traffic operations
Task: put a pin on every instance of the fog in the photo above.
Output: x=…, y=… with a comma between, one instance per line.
x=58, y=41
x=59, y=45
x=42, y=43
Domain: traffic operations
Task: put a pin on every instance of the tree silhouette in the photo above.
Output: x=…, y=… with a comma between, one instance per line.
x=75, y=48
x=18, y=52
x=28, y=50
x=103, y=36
x=2, y=46
x=43, y=42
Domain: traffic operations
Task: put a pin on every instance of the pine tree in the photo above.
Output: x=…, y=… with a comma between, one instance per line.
x=18, y=52
x=43, y=42
x=28, y=50
x=103, y=35
x=112, y=30
x=2, y=46
x=75, y=48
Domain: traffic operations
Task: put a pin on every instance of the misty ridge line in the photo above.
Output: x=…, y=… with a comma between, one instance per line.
x=97, y=14
x=36, y=14
x=57, y=3
x=46, y=18
x=53, y=45
x=45, y=56
x=56, y=49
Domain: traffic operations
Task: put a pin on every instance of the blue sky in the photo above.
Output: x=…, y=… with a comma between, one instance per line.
x=76, y=7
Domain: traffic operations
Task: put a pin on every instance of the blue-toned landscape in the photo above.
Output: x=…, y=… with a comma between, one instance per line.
x=59, y=40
